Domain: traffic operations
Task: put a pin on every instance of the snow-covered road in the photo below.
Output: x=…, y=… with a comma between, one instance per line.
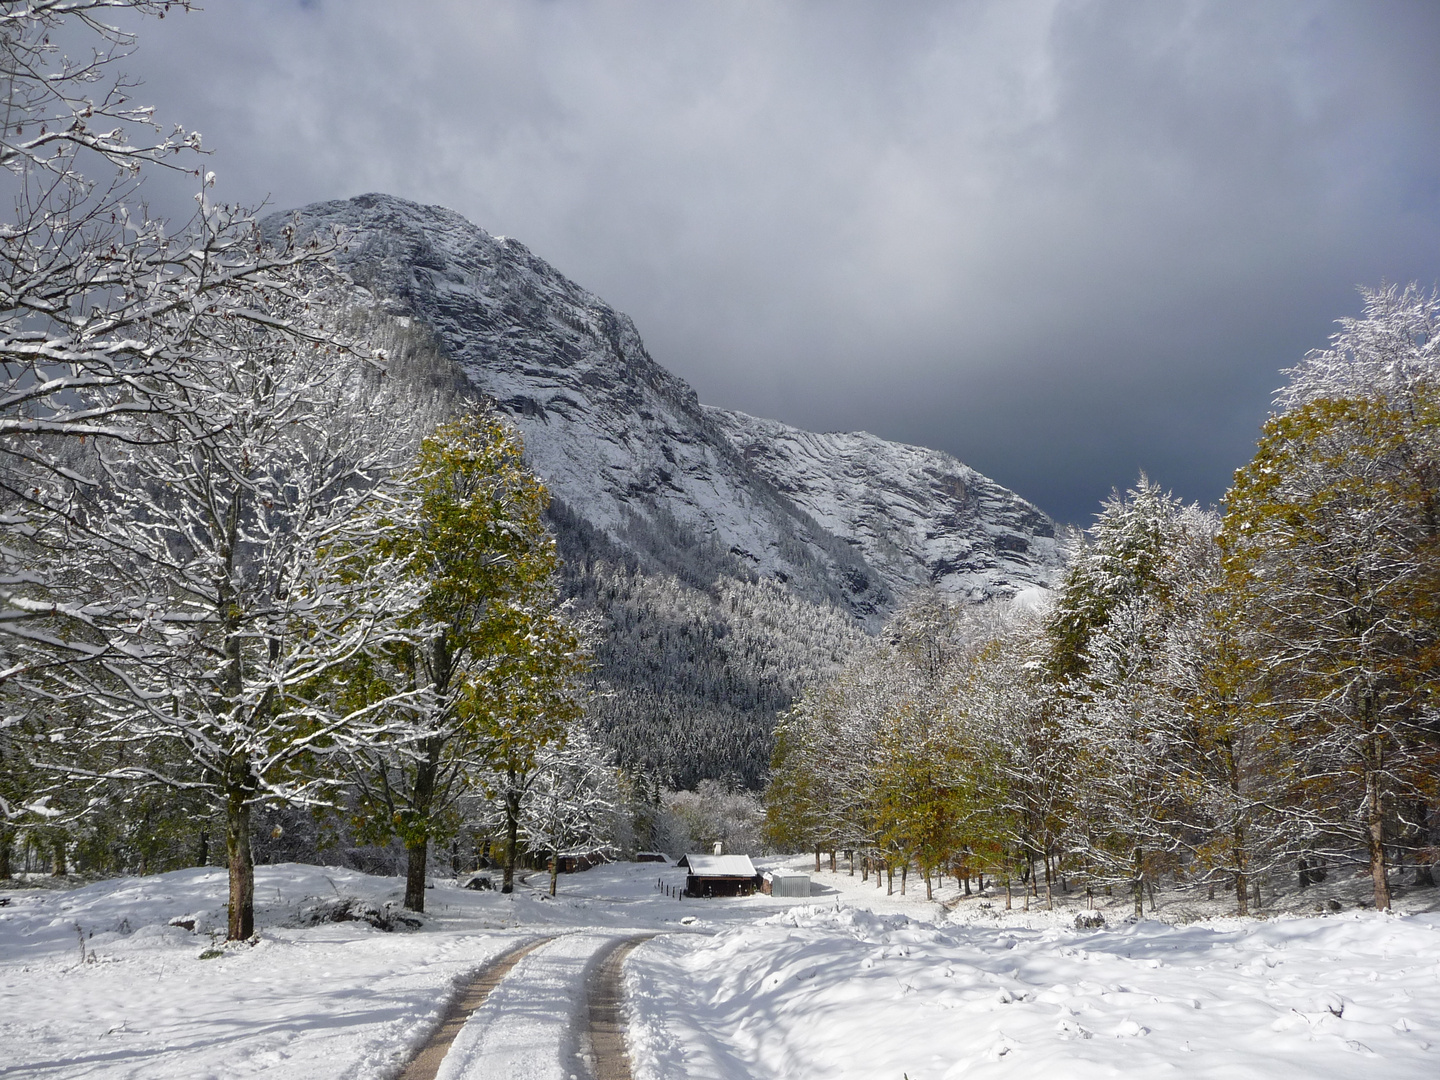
x=531, y=1027
x=147, y=1000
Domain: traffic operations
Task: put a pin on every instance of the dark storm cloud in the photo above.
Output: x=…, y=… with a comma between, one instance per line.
x=1064, y=241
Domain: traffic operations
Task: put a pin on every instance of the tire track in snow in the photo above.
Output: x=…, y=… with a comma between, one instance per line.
x=426, y=1063
x=605, y=1052
x=531, y=1025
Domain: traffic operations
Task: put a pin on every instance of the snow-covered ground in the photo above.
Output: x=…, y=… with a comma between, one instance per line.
x=336, y=1000
x=872, y=985
x=851, y=982
x=841, y=992
x=340, y=999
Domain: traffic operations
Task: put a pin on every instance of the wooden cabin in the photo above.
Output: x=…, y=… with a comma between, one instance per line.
x=719, y=875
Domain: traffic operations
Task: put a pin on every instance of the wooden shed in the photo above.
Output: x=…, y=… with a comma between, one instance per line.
x=719, y=875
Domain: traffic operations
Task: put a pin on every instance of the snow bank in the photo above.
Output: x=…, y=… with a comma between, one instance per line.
x=840, y=992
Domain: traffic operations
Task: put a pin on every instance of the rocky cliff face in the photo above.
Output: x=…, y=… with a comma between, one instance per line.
x=916, y=516
x=634, y=457
x=731, y=560
x=624, y=444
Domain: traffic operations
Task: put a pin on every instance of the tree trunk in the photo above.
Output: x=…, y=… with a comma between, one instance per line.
x=890, y=879
x=60, y=867
x=1424, y=875
x=832, y=860
x=1238, y=851
x=238, y=776
x=6, y=872
x=512, y=835
x=904, y=873
x=202, y=857
x=817, y=858
x=241, y=864
x=554, y=870
x=1375, y=837
x=417, y=853
x=1139, y=883
x=417, y=833
x=929, y=894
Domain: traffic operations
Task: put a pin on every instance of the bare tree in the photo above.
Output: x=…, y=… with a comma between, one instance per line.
x=105, y=312
x=211, y=571
x=571, y=809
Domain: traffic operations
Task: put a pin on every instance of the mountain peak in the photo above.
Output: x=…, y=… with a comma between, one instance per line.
x=625, y=444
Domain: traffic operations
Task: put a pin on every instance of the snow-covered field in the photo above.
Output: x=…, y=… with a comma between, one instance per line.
x=341, y=999
x=840, y=992
x=850, y=983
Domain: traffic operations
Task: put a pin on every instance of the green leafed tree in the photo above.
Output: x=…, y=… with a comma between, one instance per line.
x=489, y=662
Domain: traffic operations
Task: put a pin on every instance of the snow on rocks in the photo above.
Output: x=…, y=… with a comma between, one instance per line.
x=838, y=992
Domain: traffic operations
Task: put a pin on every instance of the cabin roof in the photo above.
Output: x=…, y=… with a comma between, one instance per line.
x=719, y=865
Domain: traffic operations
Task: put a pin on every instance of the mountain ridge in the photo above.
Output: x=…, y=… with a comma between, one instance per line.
x=627, y=444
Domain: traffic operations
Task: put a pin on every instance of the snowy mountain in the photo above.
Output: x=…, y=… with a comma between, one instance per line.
x=916, y=516
x=731, y=559
x=627, y=447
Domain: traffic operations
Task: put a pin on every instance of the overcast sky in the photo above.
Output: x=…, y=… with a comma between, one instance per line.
x=1064, y=241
